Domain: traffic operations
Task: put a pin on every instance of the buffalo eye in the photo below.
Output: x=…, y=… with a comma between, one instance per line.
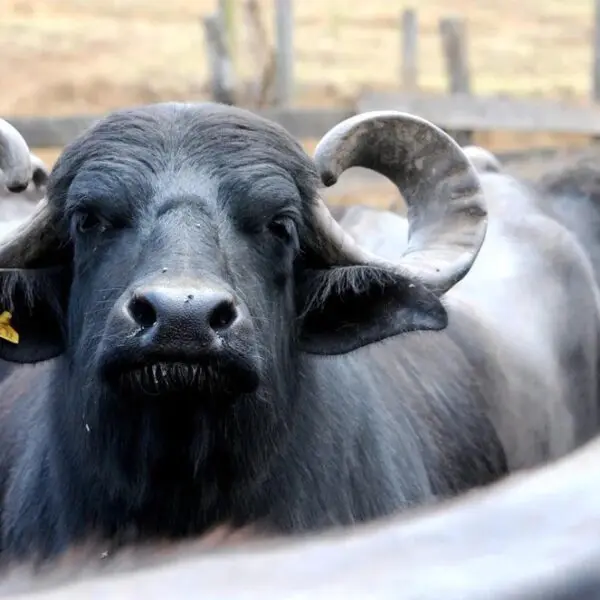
x=85, y=222
x=283, y=228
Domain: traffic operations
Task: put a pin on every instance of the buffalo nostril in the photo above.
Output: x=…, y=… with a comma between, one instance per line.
x=39, y=177
x=223, y=315
x=17, y=188
x=143, y=312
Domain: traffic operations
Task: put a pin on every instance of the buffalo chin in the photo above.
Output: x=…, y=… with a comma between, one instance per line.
x=205, y=381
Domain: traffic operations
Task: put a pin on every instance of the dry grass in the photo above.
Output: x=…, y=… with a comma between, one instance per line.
x=81, y=56
x=65, y=56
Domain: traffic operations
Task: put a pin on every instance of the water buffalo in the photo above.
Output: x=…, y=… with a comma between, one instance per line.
x=22, y=185
x=16, y=164
x=18, y=205
x=572, y=196
x=532, y=536
x=483, y=160
x=382, y=232
x=223, y=352
x=23, y=175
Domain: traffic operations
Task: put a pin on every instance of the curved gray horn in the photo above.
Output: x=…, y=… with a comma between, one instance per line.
x=483, y=160
x=446, y=208
x=15, y=161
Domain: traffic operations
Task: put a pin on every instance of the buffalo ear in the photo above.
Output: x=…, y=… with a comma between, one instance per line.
x=36, y=300
x=344, y=308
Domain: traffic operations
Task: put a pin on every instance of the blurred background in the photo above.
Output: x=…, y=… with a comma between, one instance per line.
x=512, y=75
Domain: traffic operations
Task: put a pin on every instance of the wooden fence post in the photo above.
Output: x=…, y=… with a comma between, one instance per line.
x=226, y=12
x=284, y=69
x=220, y=66
x=261, y=54
x=409, y=31
x=453, y=33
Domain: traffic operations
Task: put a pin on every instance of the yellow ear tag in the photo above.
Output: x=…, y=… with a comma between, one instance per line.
x=6, y=331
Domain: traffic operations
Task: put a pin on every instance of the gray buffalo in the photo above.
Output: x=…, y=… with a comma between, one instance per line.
x=532, y=536
x=23, y=175
x=215, y=348
x=18, y=197
x=483, y=160
x=15, y=207
x=384, y=232
x=19, y=201
x=23, y=183
x=572, y=196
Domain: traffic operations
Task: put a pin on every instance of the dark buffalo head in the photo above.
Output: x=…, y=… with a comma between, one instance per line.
x=183, y=261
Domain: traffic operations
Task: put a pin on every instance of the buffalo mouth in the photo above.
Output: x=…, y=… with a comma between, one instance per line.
x=168, y=377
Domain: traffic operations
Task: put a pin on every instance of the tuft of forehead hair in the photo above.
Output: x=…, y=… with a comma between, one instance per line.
x=169, y=138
